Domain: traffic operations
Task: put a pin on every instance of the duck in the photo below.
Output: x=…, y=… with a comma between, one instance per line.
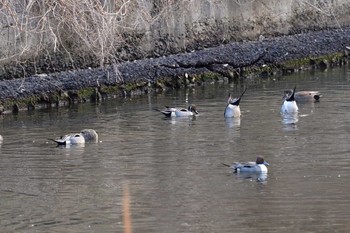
x=183, y=112
x=304, y=96
x=69, y=139
x=259, y=166
x=289, y=105
x=232, y=108
x=179, y=112
x=86, y=135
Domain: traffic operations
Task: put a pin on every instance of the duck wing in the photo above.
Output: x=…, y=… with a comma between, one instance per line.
x=248, y=164
x=166, y=113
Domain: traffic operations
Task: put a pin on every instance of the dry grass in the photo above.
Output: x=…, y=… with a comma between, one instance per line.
x=101, y=30
x=97, y=27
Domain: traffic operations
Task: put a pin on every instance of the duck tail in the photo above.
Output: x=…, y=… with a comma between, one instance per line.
x=165, y=113
x=237, y=100
x=57, y=141
x=159, y=110
x=243, y=92
x=291, y=97
x=225, y=164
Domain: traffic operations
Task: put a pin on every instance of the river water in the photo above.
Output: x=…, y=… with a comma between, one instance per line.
x=167, y=174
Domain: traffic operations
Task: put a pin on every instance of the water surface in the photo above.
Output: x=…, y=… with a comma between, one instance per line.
x=173, y=167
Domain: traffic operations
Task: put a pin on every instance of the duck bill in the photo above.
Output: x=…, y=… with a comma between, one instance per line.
x=266, y=163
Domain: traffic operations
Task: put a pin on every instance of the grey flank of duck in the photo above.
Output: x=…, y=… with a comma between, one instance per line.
x=179, y=112
x=232, y=108
x=304, y=96
x=259, y=166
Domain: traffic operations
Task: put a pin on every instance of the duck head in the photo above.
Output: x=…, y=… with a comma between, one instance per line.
x=193, y=108
x=260, y=160
x=89, y=135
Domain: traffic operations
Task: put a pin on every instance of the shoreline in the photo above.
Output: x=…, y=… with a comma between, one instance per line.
x=232, y=62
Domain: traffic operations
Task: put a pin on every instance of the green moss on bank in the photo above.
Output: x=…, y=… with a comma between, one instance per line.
x=95, y=94
x=321, y=62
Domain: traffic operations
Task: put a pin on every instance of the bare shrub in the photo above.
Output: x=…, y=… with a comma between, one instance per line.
x=318, y=14
x=95, y=27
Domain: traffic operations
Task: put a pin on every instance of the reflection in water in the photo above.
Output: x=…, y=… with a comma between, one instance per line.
x=126, y=209
x=232, y=122
x=290, y=118
x=80, y=145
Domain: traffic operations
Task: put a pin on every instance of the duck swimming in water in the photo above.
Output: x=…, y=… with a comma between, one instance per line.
x=190, y=111
x=259, y=166
x=289, y=105
x=304, y=96
x=232, y=108
x=86, y=135
x=179, y=112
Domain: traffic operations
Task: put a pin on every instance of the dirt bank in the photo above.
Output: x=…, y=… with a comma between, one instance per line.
x=232, y=61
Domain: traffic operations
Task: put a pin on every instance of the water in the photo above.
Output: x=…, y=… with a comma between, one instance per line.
x=173, y=167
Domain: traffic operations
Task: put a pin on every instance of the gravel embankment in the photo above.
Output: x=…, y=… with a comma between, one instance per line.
x=243, y=54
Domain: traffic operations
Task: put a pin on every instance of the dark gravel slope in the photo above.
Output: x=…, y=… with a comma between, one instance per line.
x=244, y=54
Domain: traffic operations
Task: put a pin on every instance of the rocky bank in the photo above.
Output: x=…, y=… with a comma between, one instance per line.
x=235, y=61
